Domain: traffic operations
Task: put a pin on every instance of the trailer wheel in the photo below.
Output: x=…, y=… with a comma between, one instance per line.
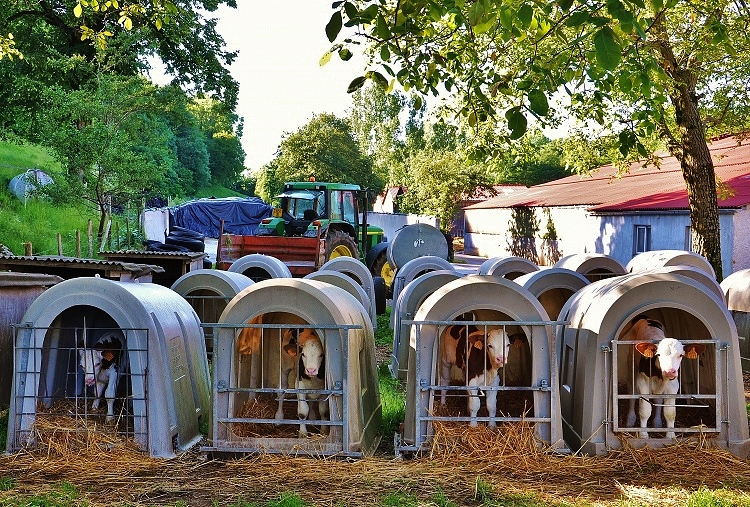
x=340, y=244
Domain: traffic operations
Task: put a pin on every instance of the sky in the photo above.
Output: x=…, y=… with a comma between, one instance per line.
x=282, y=85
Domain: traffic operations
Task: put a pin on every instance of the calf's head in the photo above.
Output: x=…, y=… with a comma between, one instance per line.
x=91, y=362
x=310, y=349
x=666, y=352
x=497, y=343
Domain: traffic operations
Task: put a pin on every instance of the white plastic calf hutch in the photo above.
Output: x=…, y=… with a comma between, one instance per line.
x=357, y=270
x=527, y=389
x=209, y=291
x=256, y=411
x=552, y=287
x=595, y=360
x=259, y=267
x=592, y=266
x=654, y=259
x=162, y=383
x=509, y=267
x=405, y=308
x=736, y=289
x=349, y=285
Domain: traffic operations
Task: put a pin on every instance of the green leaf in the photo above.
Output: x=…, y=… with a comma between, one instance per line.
x=625, y=83
x=516, y=122
x=325, y=58
x=538, y=102
x=334, y=26
x=525, y=13
x=565, y=5
x=506, y=19
x=378, y=78
x=383, y=31
x=608, y=51
x=577, y=18
x=77, y=10
x=417, y=104
x=356, y=84
x=351, y=10
x=345, y=54
x=385, y=54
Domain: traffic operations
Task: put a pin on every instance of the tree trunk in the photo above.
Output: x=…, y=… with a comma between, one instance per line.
x=700, y=179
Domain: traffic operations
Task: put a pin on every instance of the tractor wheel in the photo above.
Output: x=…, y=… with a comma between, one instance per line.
x=381, y=292
x=340, y=244
x=382, y=269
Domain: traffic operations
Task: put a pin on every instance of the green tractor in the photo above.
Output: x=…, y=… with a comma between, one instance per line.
x=332, y=211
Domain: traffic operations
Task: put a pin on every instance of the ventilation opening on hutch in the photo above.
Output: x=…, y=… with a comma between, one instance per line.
x=593, y=266
x=152, y=366
x=259, y=267
x=606, y=357
x=295, y=372
x=477, y=316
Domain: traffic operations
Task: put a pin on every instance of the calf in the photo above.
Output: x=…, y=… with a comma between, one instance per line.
x=656, y=371
x=303, y=365
x=99, y=365
x=464, y=346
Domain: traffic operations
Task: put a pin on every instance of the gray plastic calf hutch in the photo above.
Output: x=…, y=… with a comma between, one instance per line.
x=592, y=266
x=509, y=267
x=209, y=291
x=405, y=308
x=414, y=269
x=527, y=389
x=255, y=410
x=162, y=383
x=259, y=267
x=358, y=272
x=736, y=289
x=349, y=285
x=595, y=360
x=17, y=292
x=416, y=240
x=552, y=287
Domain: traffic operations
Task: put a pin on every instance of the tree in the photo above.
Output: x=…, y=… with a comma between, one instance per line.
x=437, y=182
x=673, y=69
x=323, y=149
x=111, y=141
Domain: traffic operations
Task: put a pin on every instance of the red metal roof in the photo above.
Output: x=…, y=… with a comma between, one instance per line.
x=643, y=188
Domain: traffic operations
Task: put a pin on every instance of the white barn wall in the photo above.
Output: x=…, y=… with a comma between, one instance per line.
x=612, y=234
x=739, y=241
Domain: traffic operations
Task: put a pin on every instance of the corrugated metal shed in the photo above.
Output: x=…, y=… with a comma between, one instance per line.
x=648, y=188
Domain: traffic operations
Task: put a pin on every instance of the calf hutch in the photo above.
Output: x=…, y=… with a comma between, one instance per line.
x=259, y=267
x=736, y=288
x=501, y=324
x=617, y=382
x=405, y=308
x=209, y=291
x=552, y=287
x=294, y=372
x=139, y=345
x=593, y=266
x=510, y=267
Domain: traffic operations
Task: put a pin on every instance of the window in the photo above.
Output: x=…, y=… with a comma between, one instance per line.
x=641, y=239
x=688, y=239
x=350, y=207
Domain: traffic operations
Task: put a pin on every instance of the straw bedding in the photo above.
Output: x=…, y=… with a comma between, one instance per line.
x=461, y=463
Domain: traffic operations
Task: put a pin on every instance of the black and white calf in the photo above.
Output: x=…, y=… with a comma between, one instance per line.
x=303, y=366
x=654, y=364
x=99, y=365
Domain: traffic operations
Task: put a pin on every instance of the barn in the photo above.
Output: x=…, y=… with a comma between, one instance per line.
x=646, y=209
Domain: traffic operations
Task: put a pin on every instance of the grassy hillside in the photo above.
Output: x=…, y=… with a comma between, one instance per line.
x=39, y=223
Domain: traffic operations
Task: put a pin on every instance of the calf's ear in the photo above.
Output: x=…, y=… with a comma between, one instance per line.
x=693, y=350
x=646, y=349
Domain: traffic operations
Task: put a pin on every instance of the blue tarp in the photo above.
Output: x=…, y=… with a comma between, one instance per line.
x=241, y=215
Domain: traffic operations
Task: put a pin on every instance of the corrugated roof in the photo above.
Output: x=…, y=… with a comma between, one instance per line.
x=648, y=188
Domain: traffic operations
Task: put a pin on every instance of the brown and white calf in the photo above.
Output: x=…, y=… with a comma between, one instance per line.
x=99, y=365
x=479, y=357
x=654, y=365
x=303, y=366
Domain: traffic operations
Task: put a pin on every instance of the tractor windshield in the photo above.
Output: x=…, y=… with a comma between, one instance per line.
x=303, y=204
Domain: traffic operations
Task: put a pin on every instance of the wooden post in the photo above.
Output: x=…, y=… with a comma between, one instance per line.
x=59, y=245
x=117, y=235
x=91, y=241
x=78, y=243
x=218, y=246
x=27, y=249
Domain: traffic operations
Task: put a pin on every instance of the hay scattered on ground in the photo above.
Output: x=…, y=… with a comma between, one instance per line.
x=507, y=460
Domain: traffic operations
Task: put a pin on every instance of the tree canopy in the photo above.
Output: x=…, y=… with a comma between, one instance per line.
x=672, y=69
